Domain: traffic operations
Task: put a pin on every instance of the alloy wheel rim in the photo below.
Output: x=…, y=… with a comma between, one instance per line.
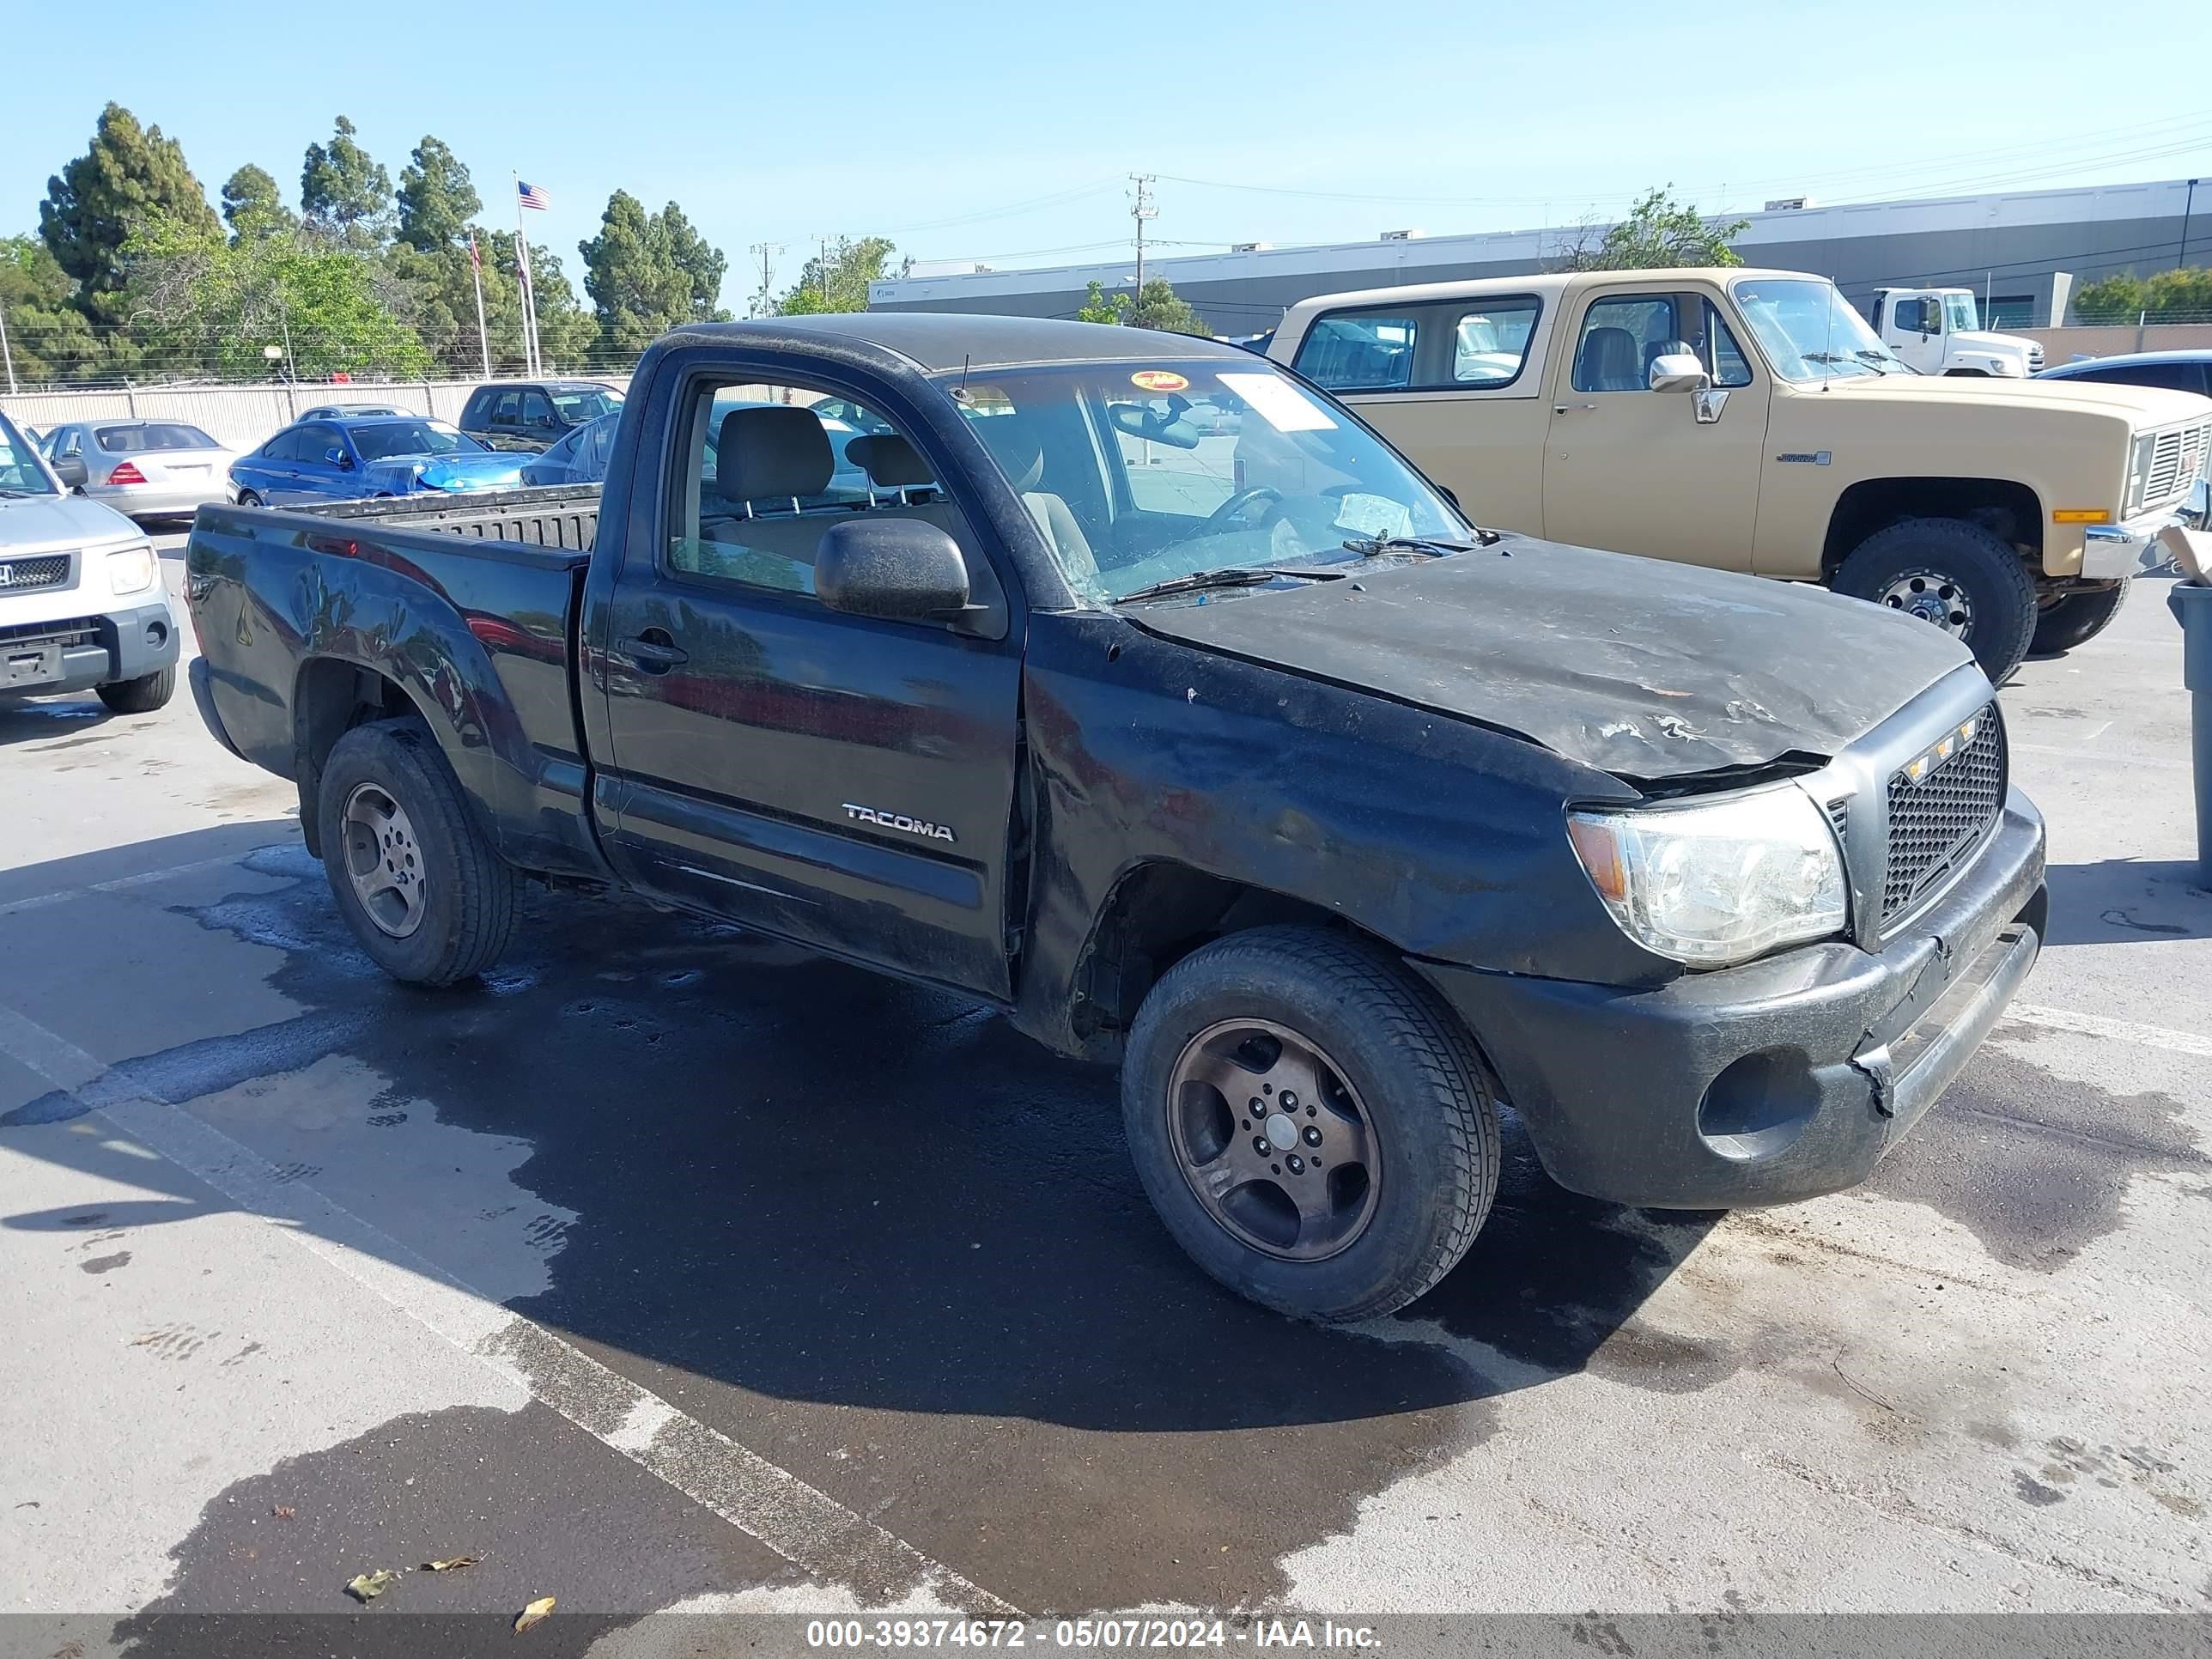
x=1934, y=598
x=384, y=861
x=1272, y=1139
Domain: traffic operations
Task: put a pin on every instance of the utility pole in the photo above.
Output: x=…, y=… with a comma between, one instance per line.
x=768, y=250
x=5, y=352
x=822, y=265
x=1140, y=209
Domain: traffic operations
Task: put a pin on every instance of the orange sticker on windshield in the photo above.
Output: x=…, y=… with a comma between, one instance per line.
x=1158, y=379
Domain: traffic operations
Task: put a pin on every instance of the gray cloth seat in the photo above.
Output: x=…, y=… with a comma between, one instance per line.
x=1608, y=362
x=1020, y=457
x=1658, y=349
x=774, y=456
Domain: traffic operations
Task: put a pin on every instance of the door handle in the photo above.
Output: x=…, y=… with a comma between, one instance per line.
x=1568, y=408
x=652, y=651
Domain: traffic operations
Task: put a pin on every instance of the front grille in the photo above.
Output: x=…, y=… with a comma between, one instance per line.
x=82, y=630
x=1935, y=822
x=23, y=575
x=2176, y=458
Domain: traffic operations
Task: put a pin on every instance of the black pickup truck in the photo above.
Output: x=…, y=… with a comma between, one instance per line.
x=1128, y=683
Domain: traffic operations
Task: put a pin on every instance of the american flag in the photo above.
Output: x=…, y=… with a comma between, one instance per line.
x=475, y=258
x=532, y=196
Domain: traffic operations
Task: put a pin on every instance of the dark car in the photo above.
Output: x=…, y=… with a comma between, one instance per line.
x=2174, y=371
x=535, y=414
x=1249, y=763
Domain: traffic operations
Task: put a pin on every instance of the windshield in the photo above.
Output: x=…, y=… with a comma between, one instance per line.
x=1137, y=472
x=585, y=402
x=381, y=443
x=21, y=474
x=120, y=439
x=1809, y=332
x=1959, y=313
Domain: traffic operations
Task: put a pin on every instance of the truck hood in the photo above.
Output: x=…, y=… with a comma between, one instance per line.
x=59, y=524
x=2145, y=406
x=1647, y=669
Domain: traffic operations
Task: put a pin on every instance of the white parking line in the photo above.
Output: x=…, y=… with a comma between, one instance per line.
x=120, y=883
x=832, y=1544
x=2101, y=1025
x=2100, y=758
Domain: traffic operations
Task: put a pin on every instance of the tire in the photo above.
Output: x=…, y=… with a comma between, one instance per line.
x=2077, y=618
x=1413, y=1070
x=465, y=893
x=247, y=498
x=142, y=695
x=1987, y=582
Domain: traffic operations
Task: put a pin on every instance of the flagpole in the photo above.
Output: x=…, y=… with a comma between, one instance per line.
x=529, y=288
x=475, y=269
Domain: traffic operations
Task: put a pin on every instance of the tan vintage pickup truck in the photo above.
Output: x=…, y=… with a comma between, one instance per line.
x=1751, y=420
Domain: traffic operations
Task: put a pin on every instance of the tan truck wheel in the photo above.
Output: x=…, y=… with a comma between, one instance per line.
x=1952, y=575
x=2076, y=619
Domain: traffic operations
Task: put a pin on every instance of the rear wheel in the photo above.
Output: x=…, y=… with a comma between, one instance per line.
x=247, y=498
x=413, y=873
x=1313, y=1124
x=1952, y=575
x=2076, y=618
x=142, y=695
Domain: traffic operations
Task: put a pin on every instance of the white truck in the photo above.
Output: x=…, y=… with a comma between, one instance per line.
x=1938, y=331
x=82, y=604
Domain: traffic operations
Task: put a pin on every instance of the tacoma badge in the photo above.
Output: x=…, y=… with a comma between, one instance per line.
x=897, y=821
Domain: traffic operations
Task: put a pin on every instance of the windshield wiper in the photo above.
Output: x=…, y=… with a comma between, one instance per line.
x=1234, y=576
x=17, y=494
x=1371, y=547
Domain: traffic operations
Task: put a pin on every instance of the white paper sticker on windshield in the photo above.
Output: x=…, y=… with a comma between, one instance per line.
x=1279, y=403
x=1374, y=515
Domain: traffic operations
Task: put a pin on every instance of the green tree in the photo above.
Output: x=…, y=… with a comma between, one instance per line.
x=837, y=279
x=252, y=205
x=2164, y=296
x=1099, y=308
x=214, y=305
x=1659, y=231
x=126, y=176
x=648, y=273
x=436, y=197
x=48, y=337
x=1158, y=306
x=344, y=194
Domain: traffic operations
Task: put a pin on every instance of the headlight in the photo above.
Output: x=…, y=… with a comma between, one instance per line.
x=1715, y=882
x=2139, y=459
x=130, y=569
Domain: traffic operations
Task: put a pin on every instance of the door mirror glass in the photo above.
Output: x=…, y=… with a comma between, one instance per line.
x=69, y=469
x=1678, y=371
x=337, y=458
x=899, y=569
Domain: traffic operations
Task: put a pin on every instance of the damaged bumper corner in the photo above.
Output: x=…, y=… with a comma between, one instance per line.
x=1778, y=1080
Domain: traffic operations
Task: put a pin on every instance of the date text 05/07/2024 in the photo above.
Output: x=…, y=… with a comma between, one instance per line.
x=1142, y=1634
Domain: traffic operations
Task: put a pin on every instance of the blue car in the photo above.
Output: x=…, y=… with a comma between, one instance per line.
x=581, y=457
x=348, y=459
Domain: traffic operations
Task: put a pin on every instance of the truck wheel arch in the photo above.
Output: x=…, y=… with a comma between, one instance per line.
x=1157, y=913
x=2010, y=510
x=333, y=695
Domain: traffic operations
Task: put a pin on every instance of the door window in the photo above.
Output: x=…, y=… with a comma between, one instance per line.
x=537, y=412
x=71, y=443
x=2174, y=377
x=287, y=446
x=1359, y=351
x=767, y=478
x=1620, y=338
x=1919, y=316
x=1490, y=344
x=507, y=411
x=315, y=442
x=1724, y=359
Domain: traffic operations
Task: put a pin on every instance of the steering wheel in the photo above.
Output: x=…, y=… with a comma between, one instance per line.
x=1236, y=506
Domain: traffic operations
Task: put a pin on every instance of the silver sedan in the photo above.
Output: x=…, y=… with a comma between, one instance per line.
x=142, y=469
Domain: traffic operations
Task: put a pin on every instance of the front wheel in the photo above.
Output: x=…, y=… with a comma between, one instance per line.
x=1954, y=575
x=1313, y=1124
x=247, y=498
x=142, y=695
x=415, y=877
x=2077, y=618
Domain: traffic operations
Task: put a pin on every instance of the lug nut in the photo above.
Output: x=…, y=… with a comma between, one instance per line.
x=1260, y=1145
x=1290, y=1099
x=1298, y=1165
x=1312, y=1136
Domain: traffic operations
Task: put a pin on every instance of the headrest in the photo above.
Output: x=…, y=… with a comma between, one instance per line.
x=890, y=461
x=1014, y=447
x=772, y=453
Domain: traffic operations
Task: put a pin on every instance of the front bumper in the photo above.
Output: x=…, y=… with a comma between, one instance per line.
x=2112, y=550
x=75, y=656
x=1780, y=1079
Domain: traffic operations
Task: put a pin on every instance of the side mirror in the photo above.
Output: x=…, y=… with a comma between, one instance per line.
x=899, y=569
x=338, y=459
x=69, y=469
x=1678, y=371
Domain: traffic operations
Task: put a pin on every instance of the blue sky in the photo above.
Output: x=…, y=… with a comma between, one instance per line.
x=1004, y=132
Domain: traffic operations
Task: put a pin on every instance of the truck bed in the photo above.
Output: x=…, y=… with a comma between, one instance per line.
x=563, y=517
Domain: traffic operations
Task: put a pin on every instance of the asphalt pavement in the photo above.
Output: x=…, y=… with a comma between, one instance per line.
x=670, y=1269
